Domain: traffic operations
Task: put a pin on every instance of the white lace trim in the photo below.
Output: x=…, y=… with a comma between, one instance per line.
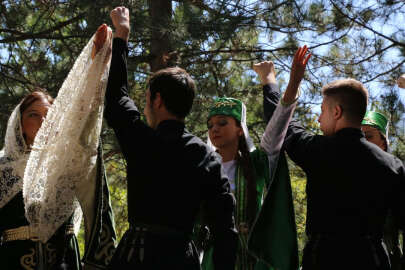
x=13, y=159
x=65, y=148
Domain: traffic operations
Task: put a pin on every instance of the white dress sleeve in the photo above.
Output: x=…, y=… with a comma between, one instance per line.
x=276, y=129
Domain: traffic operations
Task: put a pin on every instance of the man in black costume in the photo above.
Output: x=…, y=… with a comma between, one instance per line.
x=351, y=183
x=170, y=172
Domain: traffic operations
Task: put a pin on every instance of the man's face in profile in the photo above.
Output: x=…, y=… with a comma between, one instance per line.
x=326, y=119
x=149, y=112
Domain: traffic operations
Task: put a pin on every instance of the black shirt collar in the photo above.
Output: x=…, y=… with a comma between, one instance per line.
x=352, y=132
x=170, y=127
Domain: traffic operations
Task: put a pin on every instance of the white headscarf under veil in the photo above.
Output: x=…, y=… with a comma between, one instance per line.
x=64, y=152
x=13, y=159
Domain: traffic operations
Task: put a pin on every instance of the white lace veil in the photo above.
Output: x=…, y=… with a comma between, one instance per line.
x=64, y=152
x=13, y=159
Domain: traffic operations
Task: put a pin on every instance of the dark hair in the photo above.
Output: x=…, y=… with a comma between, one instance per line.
x=250, y=177
x=37, y=94
x=351, y=95
x=176, y=88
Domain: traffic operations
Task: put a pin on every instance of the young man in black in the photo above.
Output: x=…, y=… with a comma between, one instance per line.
x=351, y=183
x=170, y=172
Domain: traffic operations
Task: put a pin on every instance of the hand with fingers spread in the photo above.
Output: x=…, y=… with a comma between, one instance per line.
x=120, y=20
x=298, y=66
x=266, y=72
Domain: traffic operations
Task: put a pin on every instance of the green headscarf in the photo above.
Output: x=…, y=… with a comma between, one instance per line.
x=377, y=120
x=227, y=106
x=234, y=108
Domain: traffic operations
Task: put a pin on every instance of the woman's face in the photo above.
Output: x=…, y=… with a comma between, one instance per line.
x=32, y=118
x=373, y=135
x=223, y=131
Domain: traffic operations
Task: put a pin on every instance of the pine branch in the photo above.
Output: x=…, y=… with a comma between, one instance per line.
x=19, y=36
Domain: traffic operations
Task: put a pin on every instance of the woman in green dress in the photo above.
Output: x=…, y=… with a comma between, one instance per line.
x=22, y=230
x=248, y=172
x=245, y=166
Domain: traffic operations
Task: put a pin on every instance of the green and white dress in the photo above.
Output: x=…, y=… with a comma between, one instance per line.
x=259, y=245
x=244, y=261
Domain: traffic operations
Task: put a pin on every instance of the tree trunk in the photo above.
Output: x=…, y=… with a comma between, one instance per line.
x=160, y=14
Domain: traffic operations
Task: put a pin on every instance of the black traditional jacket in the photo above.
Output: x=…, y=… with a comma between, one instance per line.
x=170, y=172
x=351, y=183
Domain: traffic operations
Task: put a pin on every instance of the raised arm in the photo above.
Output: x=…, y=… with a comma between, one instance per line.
x=281, y=131
x=120, y=109
x=121, y=112
x=271, y=93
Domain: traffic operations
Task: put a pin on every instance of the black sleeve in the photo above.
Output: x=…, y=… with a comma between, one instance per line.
x=219, y=214
x=121, y=112
x=298, y=142
x=399, y=205
x=271, y=97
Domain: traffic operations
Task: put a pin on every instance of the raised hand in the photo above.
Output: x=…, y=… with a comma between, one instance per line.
x=298, y=66
x=120, y=20
x=99, y=39
x=266, y=72
x=401, y=81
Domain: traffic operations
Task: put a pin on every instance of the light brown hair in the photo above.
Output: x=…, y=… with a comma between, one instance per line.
x=350, y=95
x=37, y=94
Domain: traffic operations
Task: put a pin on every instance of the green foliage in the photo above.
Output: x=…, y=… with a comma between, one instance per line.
x=298, y=182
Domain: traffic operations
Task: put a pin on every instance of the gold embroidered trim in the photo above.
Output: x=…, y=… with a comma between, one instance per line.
x=224, y=103
x=25, y=233
x=28, y=261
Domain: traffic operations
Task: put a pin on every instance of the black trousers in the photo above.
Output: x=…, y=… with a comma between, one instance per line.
x=345, y=252
x=146, y=250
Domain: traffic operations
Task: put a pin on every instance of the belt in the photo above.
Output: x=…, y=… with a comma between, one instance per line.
x=136, y=239
x=372, y=239
x=341, y=236
x=25, y=233
x=158, y=230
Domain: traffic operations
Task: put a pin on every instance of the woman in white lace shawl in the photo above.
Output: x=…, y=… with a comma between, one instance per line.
x=51, y=169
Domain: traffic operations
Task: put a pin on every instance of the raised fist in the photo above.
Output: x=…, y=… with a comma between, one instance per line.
x=120, y=20
x=266, y=72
